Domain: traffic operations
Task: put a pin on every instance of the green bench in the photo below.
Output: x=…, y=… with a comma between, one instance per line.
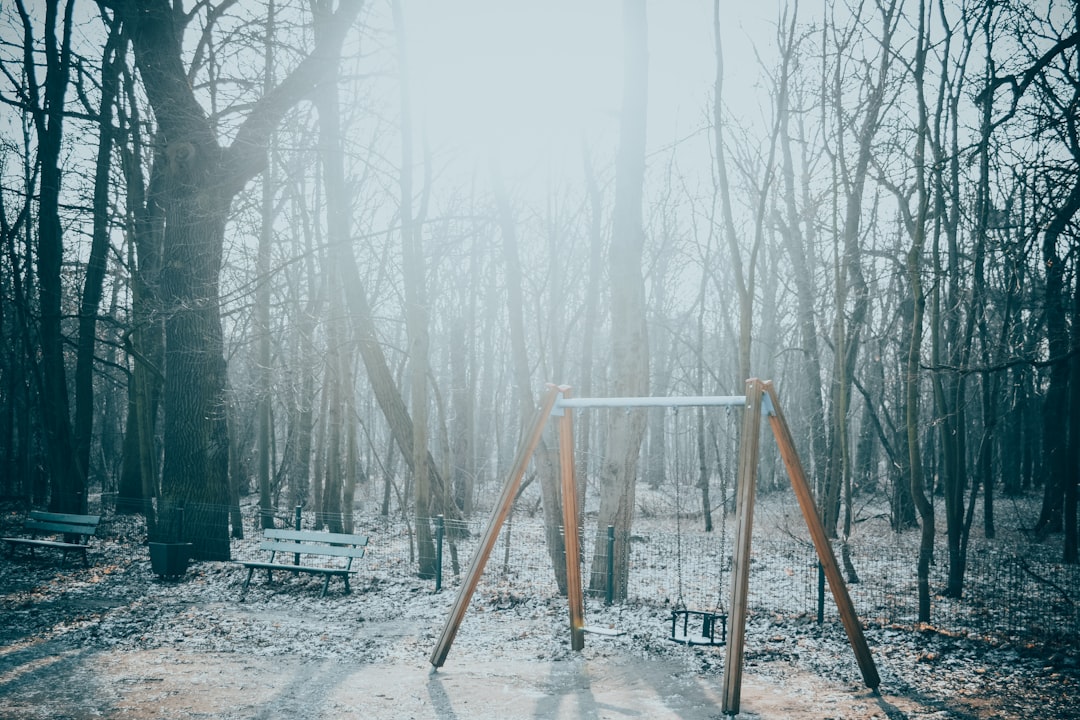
x=68, y=533
x=334, y=551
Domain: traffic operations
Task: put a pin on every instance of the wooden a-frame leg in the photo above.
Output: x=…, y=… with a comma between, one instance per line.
x=498, y=516
x=747, y=479
x=801, y=486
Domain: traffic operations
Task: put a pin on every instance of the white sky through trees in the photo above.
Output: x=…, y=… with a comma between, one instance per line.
x=531, y=80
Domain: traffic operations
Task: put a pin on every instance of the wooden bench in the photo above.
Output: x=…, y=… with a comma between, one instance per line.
x=70, y=533
x=302, y=544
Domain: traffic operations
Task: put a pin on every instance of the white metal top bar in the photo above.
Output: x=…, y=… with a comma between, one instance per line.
x=628, y=402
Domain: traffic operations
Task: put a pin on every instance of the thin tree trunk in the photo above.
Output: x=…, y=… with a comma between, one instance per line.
x=264, y=391
x=67, y=476
x=1056, y=404
x=1070, y=550
x=593, y=316
x=545, y=457
x=911, y=371
x=416, y=318
x=93, y=285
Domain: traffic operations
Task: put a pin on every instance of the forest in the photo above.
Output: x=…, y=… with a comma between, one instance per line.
x=296, y=248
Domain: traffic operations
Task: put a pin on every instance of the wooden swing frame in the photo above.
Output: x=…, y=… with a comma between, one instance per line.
x=760, y=397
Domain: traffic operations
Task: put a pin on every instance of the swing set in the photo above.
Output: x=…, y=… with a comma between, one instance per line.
x=760, y=397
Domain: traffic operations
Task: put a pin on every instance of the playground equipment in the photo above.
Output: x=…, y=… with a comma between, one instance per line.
x=760, y=396
x=684, y=621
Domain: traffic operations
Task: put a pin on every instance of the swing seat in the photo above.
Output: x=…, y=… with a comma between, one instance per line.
x=713, y=627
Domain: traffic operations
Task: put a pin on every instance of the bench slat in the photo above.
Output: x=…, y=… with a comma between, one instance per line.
x=37, y=526
x=45, y=543
x=296, y=568
x=65, y=518
x=316, y=536
x=305, y=549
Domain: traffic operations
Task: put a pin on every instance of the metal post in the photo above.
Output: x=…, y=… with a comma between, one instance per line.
x=440, y=532
x=296, y=525
x=820, y=593
x=609, y=593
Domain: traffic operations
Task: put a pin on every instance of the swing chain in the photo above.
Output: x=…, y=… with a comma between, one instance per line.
x=679, y=603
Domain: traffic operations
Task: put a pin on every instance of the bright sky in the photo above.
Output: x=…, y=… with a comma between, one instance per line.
x=530, y=79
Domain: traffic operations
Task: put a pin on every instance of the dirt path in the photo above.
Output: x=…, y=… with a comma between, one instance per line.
x=50, y=682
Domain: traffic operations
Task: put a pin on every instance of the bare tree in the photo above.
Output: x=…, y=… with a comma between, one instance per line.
x=201, y=179
x=46, y=102
x=629, y=338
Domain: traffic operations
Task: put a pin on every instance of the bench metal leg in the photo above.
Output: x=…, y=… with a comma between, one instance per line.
x=326, y=584
x=247, y=581
x=347, y=588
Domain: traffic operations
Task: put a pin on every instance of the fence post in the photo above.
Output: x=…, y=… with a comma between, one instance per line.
x=820, y=593
x=609, y=593
x=296, y=526
x=440, y=532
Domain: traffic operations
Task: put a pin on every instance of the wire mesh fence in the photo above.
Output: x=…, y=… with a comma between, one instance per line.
x=1006, y=594
x=1023, y=593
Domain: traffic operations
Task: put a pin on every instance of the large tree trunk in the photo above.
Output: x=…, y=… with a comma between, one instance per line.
x=629, y=338
x=201, y=179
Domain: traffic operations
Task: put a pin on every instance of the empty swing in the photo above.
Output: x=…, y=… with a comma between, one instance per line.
x=696, y=627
